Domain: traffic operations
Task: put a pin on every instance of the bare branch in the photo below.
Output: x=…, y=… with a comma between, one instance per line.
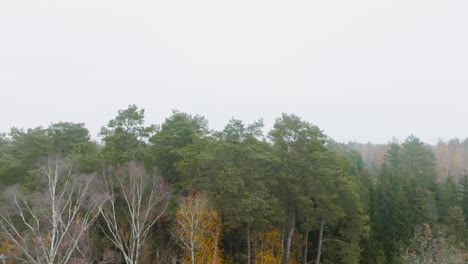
x=56, y=225
x=145, y=199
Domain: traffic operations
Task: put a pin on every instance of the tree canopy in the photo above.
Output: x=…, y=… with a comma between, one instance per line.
x=179, y=191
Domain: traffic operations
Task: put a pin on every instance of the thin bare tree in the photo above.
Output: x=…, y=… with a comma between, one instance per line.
x=197, y=229
x=191, y=224
x=49, y=228
x=130, y=212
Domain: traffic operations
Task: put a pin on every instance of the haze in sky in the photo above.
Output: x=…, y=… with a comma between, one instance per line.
x=360, y=70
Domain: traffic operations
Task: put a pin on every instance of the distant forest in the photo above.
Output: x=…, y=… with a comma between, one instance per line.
x=180, y=192
x=451, y=157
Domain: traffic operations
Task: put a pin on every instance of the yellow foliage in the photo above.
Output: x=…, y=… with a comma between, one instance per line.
x=198, y=230
x=296, y=249
x=269, y=247
x=209, y=251
x=7, y=247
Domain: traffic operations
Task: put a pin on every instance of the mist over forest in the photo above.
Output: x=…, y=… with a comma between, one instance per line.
x=344, y=166
x=451, y=157
x=180, y=192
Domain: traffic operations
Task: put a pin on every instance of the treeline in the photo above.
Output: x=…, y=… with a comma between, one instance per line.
x=451, y=156
x=182, y=193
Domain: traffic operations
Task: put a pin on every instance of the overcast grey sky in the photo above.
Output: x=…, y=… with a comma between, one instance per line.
x=360, y=70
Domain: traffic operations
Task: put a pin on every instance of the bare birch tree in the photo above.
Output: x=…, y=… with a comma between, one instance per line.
x=49, y=229
x=130, y=213
x=196, y=229
x=191, y=226
x=429, y=247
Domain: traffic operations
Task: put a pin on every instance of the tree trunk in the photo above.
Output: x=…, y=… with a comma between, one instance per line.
x=289, y=238
x=192, y=248
x=192, y=256
x=137, y=251
x=306, y=242
x=216, y=242
x=248, y=246
x=319, y=249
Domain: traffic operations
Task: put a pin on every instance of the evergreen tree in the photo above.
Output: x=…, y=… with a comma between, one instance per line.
x=231, y=168
x=448, y=195
x=178, y=131
x=316, y=194
x=417, y=161
x=464, y=195
x=126, y=136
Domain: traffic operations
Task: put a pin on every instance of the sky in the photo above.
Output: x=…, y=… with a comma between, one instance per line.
x=365, y=71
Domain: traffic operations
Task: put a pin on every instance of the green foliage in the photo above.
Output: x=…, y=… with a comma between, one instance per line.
x=178, y=131
x=284, y=185
x=407, y=195
x=126, y=136
x=345, y=236
x=86, y=157
x=417, y=161
x=65, y=136
x=312, y=181
x=298, y=146
x=464, y=195
x=233, y=170
x=31, y=146
x=24, y=150
x=73, y=141
x=455, y=226
x=390, y=222
x=448, y=195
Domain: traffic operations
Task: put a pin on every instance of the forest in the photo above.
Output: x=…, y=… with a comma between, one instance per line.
x=180, y=192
